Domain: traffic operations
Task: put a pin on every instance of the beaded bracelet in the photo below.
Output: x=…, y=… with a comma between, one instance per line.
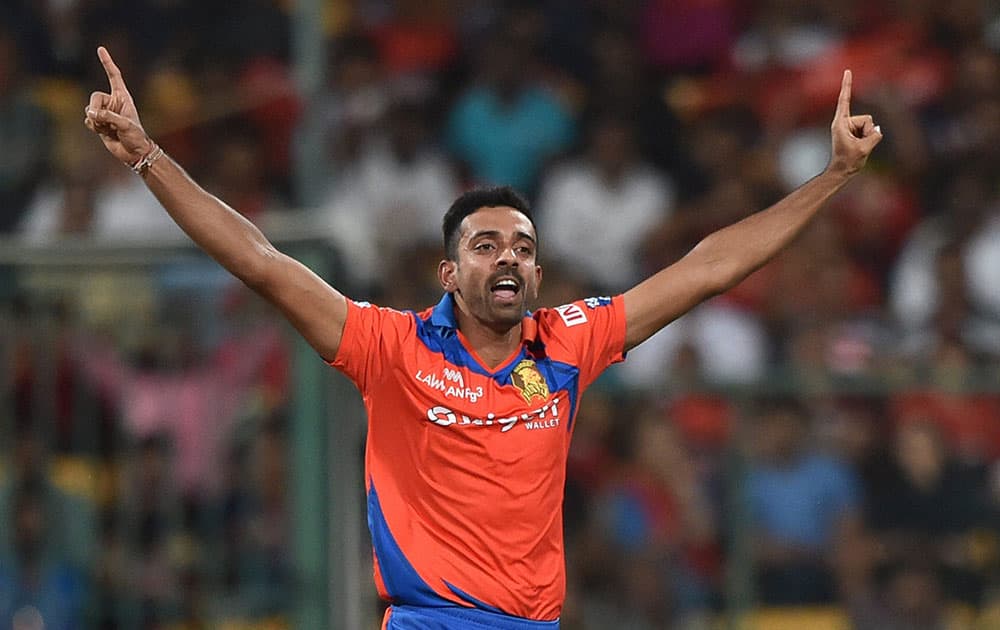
x=147, y=160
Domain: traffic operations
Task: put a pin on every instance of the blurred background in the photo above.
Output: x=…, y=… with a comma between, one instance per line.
x=817, y=448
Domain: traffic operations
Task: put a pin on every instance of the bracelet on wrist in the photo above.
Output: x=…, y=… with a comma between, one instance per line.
x=147, y=160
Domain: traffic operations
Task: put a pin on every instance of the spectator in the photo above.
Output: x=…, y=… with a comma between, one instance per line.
x=98, y=199
x=617, y=81
x=138, y=568
x=48, y=388
x=803, y=505
x=785, y=35
x=237, y=173
x=723, y=344
x=930, y=508
x=61, y=209
x=873, y=217
x=967, y=231
x=36, y=581
x=411, y=281
x=264, y=532
x=962, y=123
x=125, y=210
x=269, y=101
x=661, y=526
x=185, y=390
x=954, y=318
x=392, y=197
x=70, y=518
x=24, y=135
x=356, y=97
x=177, y=107
x=591, y=461
x=252, y=524
x=506, y=126
x=610, y=192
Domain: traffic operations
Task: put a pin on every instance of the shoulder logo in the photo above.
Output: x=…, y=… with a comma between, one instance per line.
x=529, y=381
x=594, y=302
x=362, y=304
x=572, y=314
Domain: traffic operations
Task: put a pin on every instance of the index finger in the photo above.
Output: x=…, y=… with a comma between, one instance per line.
x=114, y=74
x=844, y=100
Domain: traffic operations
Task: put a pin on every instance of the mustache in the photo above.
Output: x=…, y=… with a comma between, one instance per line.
x=509, y=273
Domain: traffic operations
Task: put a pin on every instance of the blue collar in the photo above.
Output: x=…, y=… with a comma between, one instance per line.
x=443, y=315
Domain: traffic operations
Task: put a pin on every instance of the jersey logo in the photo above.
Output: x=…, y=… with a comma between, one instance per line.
x=571, y=314
x=595, y=302
x=529, y=381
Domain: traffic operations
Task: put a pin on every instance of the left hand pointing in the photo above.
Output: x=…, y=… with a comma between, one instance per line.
x=853, y=137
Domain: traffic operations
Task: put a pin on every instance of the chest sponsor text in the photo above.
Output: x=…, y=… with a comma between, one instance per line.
x=544, y=417
x=450, y=383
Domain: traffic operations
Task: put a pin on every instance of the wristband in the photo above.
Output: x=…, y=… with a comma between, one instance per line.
x=147, y=160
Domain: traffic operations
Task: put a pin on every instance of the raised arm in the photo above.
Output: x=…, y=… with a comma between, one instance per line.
x=724, y=258
x=315, y=308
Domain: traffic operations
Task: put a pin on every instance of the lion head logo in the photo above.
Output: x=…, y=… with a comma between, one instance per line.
x=529, y=381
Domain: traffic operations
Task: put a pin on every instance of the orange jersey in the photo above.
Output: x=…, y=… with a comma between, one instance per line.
x=465, y=465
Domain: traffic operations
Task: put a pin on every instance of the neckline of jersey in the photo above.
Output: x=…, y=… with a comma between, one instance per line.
x=443, y=316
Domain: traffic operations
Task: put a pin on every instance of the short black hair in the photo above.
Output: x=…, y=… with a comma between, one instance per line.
x=472, y=200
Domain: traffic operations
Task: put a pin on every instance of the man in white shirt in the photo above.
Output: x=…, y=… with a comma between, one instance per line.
x=391, y=198
x=610, y=200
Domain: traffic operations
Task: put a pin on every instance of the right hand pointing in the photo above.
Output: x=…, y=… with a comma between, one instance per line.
x=114, y=118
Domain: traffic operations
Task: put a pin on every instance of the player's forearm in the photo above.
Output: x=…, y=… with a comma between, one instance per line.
x=736, y=251
x=722, y=259
x=226, y=235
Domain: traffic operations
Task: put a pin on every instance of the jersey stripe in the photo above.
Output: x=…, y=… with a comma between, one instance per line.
x=402, y=582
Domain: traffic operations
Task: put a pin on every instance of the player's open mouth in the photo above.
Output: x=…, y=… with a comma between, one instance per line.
x=506, y=288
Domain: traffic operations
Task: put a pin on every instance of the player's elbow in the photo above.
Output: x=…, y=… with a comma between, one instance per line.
x=716, y=271
x=727, y=277
x=259, y=269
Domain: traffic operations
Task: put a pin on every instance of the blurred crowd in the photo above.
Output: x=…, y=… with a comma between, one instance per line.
x=145, y=477
x=829, y=430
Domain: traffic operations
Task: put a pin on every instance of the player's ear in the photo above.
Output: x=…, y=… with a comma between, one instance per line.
x=538, y=281
x=446, y=275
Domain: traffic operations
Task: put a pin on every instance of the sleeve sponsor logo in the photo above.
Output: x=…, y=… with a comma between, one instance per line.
x=362, y=304
x=572, y=314
x=594, y=302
